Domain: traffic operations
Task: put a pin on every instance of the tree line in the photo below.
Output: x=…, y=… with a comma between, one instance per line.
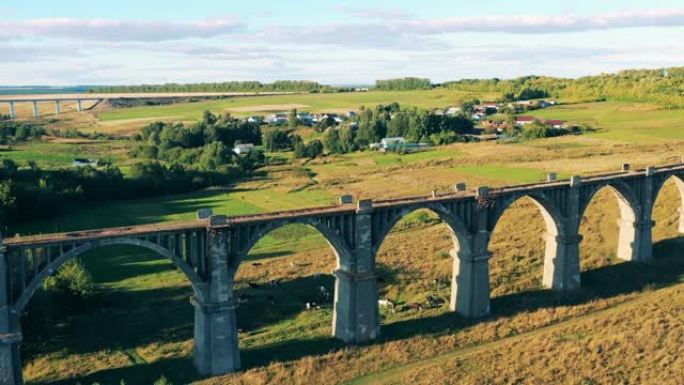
x=403, y=84
x=661, y=86
x=230, y=86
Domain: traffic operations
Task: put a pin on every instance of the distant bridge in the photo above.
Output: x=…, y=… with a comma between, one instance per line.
x=208, y=251
x=58, y=99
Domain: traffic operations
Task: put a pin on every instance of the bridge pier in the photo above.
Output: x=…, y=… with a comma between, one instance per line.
x=58, y=107
x=562, y=262
x=10, y=332
x=79, y=105
x=470, y=277
x=12, y=110
x=356, y=318
x=216, y=338
x=36, y=112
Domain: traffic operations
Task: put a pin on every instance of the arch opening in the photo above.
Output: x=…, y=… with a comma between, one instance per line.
x=667, y=210
x=414, y=264
x=140, y=307
x=283, y=269
x=522, y=255
x=608, y=229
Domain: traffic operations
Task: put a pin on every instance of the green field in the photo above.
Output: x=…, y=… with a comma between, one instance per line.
x=309, y=102
x=622, y=121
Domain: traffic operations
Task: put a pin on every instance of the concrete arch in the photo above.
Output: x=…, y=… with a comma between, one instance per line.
x=457, y=229
x=197, y=283
x=630, y=212
x=679, y=183
x=338, y=245
x=550, y=213
x=559, y=266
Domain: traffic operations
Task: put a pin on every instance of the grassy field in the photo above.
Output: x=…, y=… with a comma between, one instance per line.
x=622, y=121
x=139, y=326
x=307, y=102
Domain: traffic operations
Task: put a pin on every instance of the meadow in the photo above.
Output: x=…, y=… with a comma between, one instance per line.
x=139, y=326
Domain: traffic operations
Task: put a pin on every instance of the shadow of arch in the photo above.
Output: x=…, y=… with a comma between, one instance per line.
x=553, y=226
x=629, y=211
x=35, y=283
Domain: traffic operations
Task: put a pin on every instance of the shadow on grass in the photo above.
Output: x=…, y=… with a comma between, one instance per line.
x=268, y=305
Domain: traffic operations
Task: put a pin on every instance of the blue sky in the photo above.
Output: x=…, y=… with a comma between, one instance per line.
x=350, y=42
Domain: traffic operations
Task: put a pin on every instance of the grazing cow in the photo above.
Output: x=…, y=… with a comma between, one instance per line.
x=312, y=306
x=253, y=285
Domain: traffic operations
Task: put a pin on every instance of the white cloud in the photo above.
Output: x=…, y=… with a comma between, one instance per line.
x=119, y=30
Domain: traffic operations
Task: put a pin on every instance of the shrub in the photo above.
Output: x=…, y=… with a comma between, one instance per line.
x=71, y=280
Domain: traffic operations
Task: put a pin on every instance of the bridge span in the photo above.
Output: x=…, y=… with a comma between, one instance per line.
x=79, y=99
x=210, y=250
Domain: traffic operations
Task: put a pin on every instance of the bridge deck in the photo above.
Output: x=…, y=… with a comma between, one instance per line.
x=148, y=95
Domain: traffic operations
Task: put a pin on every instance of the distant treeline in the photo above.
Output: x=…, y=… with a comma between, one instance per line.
x=660, y=86
x=232, y=86
x=29, y=193
x=403, y=84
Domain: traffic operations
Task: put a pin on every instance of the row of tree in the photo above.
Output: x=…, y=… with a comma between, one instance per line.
x=231, y=86
x=662, y=86
x=403, y=84
x=28, y=193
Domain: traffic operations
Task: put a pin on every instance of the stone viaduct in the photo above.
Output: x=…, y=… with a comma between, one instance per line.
x=208, y=251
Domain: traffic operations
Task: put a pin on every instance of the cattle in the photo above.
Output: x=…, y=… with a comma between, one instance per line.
x=386, y=303
x=312, y=306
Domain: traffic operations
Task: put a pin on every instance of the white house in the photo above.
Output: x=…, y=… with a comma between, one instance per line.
x=242, y=148
x=388, y=143
x=279, y=118
x=451, y=111
x=557, y=124
x=82, y=162
x=255, y=119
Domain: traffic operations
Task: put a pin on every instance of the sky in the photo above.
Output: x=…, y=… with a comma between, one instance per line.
x=79, y=42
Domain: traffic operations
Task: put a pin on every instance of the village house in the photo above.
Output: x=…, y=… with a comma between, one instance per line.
x=451, y=111
x=82, y=162
x=243, y=148
x=523, y=120
x=557, y=124
x=279, y=118
x=255, y=119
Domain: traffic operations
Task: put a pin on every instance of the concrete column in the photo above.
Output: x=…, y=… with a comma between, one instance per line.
x=562, y=262
x=12, y=110
x=636, y=225
x=356, y=318
x=10, y=332
x=79, y=105
x=58, y=107
x=216, y=337
x=470, y=277
x=680, y=189
x=36, y=112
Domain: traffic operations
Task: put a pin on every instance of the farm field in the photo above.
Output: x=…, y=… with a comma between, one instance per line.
x=138, y=328
x=256, y=105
